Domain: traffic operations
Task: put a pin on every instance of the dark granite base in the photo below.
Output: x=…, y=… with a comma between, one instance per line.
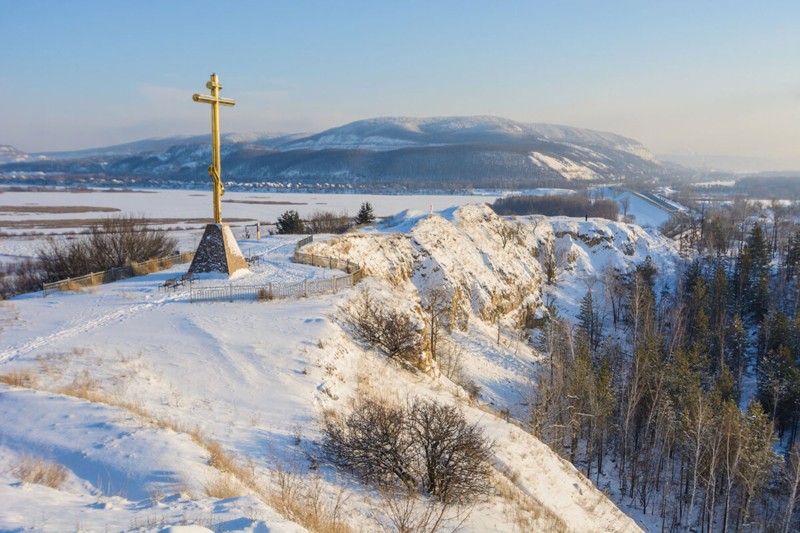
x=218, y=252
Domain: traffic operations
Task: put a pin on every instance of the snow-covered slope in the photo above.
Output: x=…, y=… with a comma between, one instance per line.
x=496, y=261
x=131, y=388
x=9, y=154
x=439, y=153
x=387, y=133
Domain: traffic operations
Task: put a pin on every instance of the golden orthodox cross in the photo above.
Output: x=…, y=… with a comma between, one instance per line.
x=215, y=168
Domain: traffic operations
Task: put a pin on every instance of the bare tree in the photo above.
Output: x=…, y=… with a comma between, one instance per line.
x=423, y=446
x=388, y=330
x=791, y=475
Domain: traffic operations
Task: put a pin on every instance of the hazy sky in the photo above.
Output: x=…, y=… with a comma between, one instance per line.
x=712, y=77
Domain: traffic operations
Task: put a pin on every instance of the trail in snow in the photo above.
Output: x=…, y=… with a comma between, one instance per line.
x=80, y=325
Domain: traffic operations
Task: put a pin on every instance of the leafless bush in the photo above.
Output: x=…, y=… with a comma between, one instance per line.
x=408, y=511
x=265, y=295
x=328, y=222
x=424, y=447
x=35, y=470
x=19, y=278
x=456, y=455
x=111, y=243
x=450, y=360
x=388, y=330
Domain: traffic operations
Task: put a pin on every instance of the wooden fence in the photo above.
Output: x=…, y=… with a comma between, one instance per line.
x=299, y=289
x=116, y=274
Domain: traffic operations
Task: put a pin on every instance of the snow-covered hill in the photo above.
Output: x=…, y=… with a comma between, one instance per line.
x=449, y=153
x=9, y=154
x=136, y=391
x=389, y=133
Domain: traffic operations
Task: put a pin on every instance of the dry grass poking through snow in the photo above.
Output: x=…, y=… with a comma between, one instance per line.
x=36, y=470
x=301, y=498
x=19, y=378
x=524, y=510
x=224, y=487
x=296, y=497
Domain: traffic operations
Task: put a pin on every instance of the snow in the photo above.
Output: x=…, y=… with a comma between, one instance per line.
x=255, y=377
x=189, y=205
x=645, y=213
x=565, y=167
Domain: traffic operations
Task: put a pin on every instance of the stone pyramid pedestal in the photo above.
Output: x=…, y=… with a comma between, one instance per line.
x=218, y=252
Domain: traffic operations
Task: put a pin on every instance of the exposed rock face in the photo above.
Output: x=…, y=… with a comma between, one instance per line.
x=218, y=252
x=494, y=265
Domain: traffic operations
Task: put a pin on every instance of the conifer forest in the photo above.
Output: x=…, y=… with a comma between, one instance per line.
x=681, y=391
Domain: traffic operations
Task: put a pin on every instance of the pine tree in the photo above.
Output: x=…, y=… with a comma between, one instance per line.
x=290, y=223
x=718, y=313
x=589, y=321
x=738, y=344
x=755, y=258
x=365, y=214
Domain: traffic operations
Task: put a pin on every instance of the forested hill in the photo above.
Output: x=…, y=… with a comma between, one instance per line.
x=454, y=153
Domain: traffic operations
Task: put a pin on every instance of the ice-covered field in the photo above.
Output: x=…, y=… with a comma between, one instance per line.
x=20, y=242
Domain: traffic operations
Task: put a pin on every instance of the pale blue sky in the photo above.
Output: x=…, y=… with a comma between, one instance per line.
x=715, y=77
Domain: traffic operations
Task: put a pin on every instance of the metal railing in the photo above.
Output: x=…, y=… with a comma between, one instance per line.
x=117, y=273
x=299, y=289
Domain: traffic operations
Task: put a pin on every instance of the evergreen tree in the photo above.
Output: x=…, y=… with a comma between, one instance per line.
x=754, y=271
x=589, y=321
x=365, y=214
x=738, y=344
x=718, y=314
x=290, y=223
x=792, y=262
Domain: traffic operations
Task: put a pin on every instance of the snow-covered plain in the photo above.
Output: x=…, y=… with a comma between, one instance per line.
x=181, y=206
x=168, y=377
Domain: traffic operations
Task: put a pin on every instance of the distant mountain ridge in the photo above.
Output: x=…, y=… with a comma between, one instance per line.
x=437, y=153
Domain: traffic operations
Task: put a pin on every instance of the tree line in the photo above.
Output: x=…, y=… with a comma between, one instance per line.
x=687, y=398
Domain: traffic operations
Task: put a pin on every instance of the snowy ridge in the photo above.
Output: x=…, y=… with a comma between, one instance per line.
x=394, y=153
x=9, y=154
x=498, y=261
x=387, y=133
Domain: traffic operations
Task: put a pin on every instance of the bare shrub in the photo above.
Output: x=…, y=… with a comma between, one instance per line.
x=36, y=470
x=388, y=330
x=423, y=446
x=265, y=294
x=456, y=455
x=472, y=389
x=374, y=442
x=328, y=222
x=450, y=360
x=111, y=243
x=408, y=511
x=19, y=278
